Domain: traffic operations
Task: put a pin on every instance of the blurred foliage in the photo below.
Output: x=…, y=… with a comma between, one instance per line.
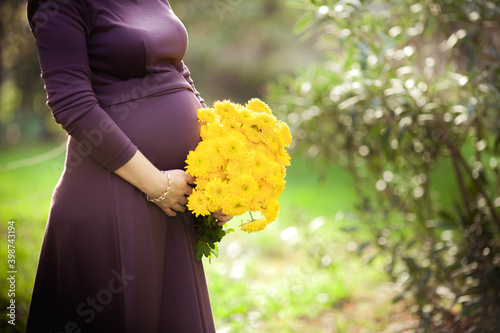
x=235, y=48
x=406, y=97
x=22, y=99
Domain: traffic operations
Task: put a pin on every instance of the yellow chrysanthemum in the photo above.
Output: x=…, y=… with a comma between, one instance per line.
x=225, y=109
x=256, y=105
x=217, y=190
x=265, y=193
x=234, y=205
x=198, y=163
x=238, y=166
x=278, y=188
x=285, y=133
x=282, y=157
x=254, y=205
x=271, y=211
x=266, y=151
x=272, y=140
x=206, y=115
x=204, y=159
x=265, y=121
x=232, y=146
x=233, y=124
x=244, y=115
x=275, y=175
x=204, y=132
x=258, y=162
x=245, y=186
x=212, y=130
x=255, y=225
x=216, y=162
x=252, y=132
x=217, y=174
x=201, y=183
x=198, y=203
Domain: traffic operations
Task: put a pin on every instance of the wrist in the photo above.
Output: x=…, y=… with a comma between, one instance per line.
x=160, y=189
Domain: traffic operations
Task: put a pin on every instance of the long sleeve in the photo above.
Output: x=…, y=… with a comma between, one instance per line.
x=61, y=39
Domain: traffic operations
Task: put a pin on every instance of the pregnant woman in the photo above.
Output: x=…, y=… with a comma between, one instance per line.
x=117, y=254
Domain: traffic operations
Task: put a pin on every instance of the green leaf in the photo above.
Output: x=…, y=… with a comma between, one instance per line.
x=303, y=23
x=208, y=235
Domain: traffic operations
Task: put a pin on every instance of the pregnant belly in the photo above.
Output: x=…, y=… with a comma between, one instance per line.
x=164, y=127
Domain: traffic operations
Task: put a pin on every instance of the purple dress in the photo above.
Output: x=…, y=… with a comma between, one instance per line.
x=111, y=261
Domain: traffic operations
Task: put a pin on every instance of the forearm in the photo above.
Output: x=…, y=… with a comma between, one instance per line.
x=141, y=173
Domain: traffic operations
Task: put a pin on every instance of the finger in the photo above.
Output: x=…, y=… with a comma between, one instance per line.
x=189, y=179
x=218, y=213
x=222, y=222
x=223, y=219
x=179, y=208
x=183, y=200
x=169, y=212
x=188, y=190
x=221, y=216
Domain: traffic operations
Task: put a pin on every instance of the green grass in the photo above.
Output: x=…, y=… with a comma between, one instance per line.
x=25, y=194
x=279, y=280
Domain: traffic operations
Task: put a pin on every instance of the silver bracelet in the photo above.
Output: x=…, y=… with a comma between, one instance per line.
x=164, y=195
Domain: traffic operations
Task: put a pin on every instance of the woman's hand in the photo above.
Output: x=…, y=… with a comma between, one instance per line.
x=141, y=173
x=180, y=187
x=223, y=218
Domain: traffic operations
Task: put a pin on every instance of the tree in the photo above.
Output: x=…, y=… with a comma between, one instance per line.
x=22, y=99
x=405, y=96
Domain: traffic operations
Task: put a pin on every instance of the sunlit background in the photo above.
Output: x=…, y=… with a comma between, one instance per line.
x=390, y=218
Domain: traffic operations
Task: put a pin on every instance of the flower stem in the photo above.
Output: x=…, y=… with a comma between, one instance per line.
x=251, y=216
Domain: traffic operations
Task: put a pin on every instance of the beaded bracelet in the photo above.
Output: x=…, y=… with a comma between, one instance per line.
x=164, y=195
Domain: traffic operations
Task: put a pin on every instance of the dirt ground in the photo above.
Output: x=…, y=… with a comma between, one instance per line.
x=370, y=313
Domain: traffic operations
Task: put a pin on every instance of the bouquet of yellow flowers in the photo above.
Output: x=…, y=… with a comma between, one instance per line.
x=239, y=166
